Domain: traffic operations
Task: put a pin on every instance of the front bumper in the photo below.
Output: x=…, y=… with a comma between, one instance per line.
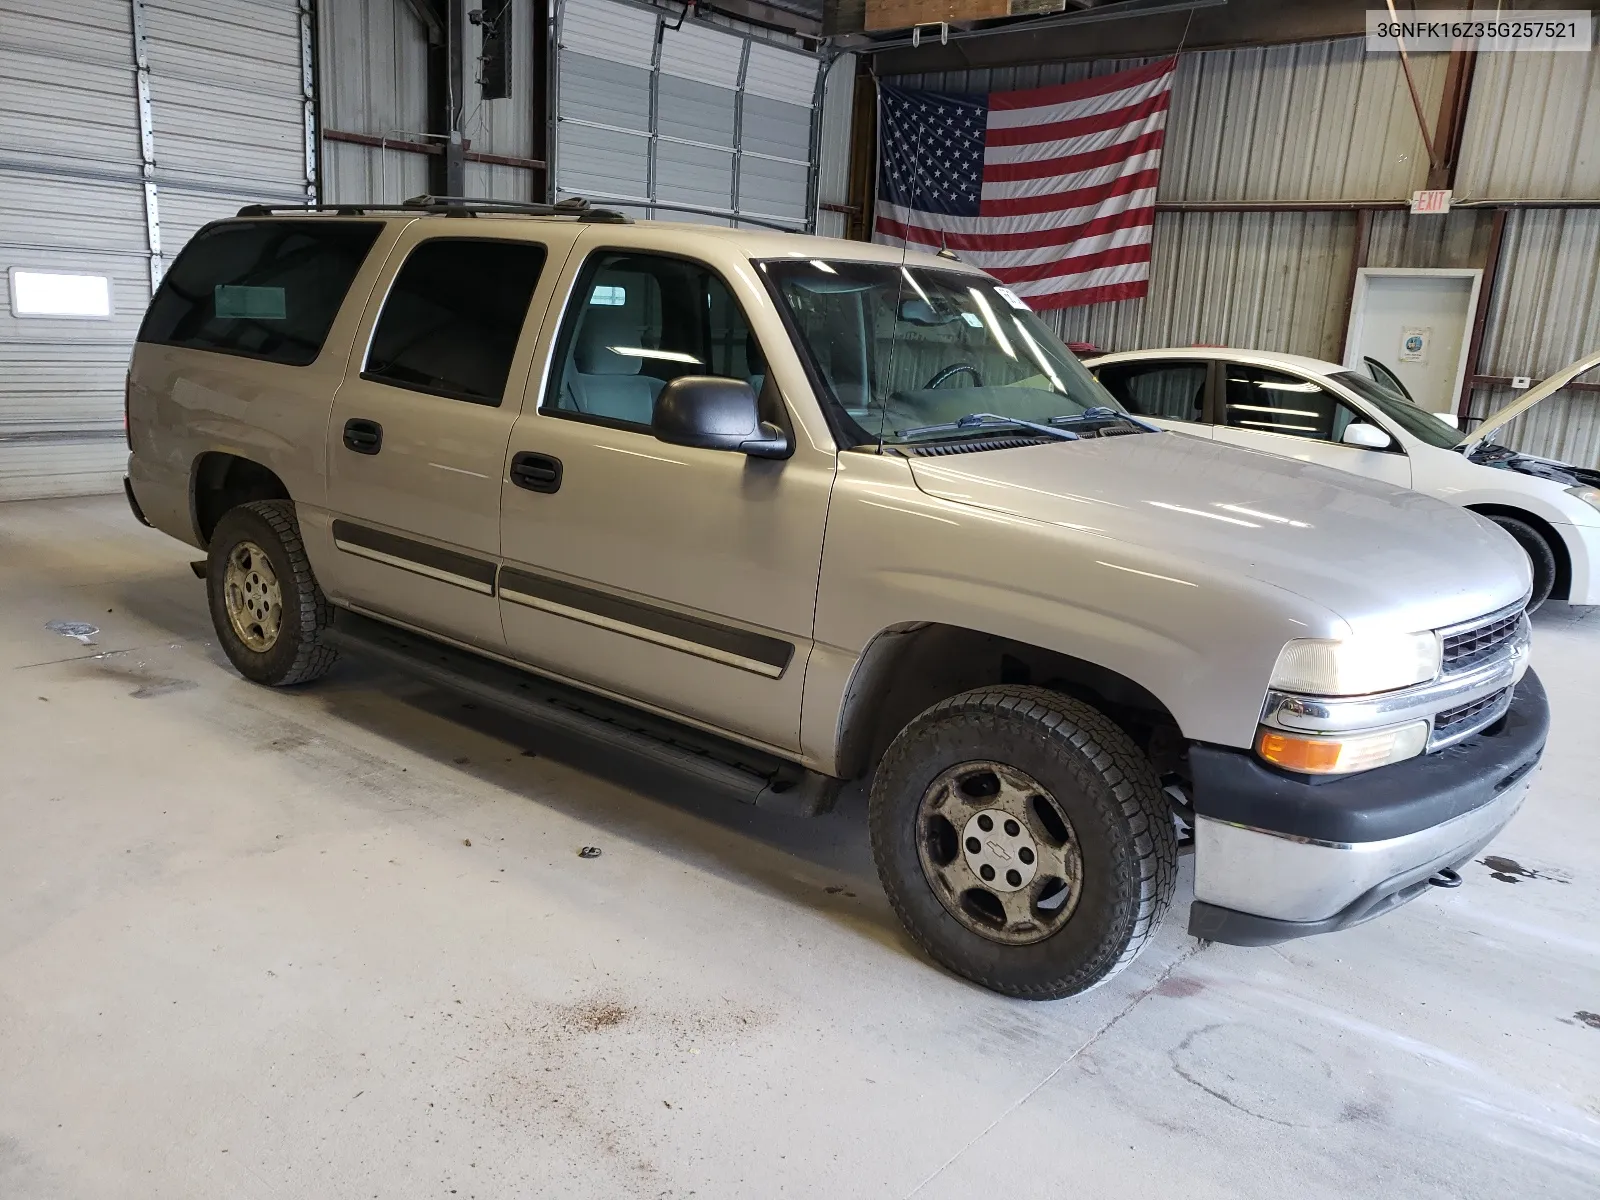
x=1281, y=856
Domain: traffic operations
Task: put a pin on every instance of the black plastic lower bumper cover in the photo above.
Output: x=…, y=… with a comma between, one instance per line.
x=133, y=501
x=1391, y=802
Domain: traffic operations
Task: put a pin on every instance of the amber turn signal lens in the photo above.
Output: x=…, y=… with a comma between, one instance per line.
x=1315, y=756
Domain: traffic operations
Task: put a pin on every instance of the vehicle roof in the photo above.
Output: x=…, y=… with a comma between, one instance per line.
x=1257, y=358
x=751, y=242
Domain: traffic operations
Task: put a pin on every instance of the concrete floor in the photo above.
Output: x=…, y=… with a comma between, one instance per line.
x=248, y=947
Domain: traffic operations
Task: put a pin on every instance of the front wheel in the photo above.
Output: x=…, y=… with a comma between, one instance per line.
x=266, y=606
x=1024, y=840
x=1540, y=556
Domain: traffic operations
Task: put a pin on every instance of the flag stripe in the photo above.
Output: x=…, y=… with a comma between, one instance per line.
x=1016, y=162
x=1047, y=178
x=1064, y=93
x=1074, y=265
x=1082, y=189
x=1051, y=190
x=1020, y=233
x=1006, y=145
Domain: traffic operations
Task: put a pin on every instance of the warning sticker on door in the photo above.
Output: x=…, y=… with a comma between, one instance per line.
x=1414, y=344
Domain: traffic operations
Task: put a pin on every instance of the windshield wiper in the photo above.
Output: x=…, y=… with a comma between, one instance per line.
x=974, y=421
x=1101, y=412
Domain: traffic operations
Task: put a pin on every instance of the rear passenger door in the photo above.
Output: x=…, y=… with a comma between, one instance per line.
x=417, y=438
x=1169, y=392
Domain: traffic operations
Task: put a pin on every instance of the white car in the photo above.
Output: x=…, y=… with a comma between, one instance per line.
x=1365, y=423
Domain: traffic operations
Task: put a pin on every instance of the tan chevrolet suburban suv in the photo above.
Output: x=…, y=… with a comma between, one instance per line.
x=783, y=512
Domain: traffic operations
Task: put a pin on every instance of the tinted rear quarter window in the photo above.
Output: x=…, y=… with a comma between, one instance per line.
x=263, y=289
x=451, y=321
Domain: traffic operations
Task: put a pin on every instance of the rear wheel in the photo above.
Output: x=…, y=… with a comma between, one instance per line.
x=1540, y=555
x=266, y=607
x=1024, y=841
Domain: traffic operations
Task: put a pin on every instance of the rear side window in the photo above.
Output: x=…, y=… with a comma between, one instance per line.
x=263, y=289
x=1174, y=390
x=450, y=323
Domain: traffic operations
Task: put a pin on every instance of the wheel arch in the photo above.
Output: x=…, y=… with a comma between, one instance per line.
x=1557, y=544
x=907, y=669
x=220, y=480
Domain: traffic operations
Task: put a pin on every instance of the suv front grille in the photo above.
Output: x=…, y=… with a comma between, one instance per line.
x=1469, y=647
x=1456, y=723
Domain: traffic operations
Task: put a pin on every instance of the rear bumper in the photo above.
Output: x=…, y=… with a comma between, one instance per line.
x=133, y=501
x=1280, y=856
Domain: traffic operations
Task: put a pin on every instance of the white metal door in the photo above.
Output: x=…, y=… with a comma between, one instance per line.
x=1416, y=324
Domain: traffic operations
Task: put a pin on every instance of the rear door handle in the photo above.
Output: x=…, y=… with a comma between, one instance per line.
x=536, y=472
x=362, y=436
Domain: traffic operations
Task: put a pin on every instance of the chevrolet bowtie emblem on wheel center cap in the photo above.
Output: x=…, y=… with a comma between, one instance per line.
x=1000, y=849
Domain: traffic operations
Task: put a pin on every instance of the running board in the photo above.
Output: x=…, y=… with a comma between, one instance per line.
x=755, y=776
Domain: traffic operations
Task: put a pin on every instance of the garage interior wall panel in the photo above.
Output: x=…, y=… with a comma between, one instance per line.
x=706, y=114
x=504, y=126
x=70, y=200
x=228, y=116
x=374, y=81
x=833, y=151
x=1545, y=314
x=1533, y=128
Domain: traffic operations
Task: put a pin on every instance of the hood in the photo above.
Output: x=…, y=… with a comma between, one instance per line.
x=1545, y=390
x=1367, y=551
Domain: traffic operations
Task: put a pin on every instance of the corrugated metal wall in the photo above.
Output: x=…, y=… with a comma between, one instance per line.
x=228, y=104
x=1324, y=121
x=833, y=151
x=374, y=81
x=505, y=126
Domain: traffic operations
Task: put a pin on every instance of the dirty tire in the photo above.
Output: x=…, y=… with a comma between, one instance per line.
x=298, y=655
x=1539, y=553
x=1104, y=785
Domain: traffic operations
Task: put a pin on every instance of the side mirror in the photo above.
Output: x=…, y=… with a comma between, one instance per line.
x=1370, y=437
x=716, y=414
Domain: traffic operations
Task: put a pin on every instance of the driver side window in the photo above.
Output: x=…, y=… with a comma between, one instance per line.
x=637, y=322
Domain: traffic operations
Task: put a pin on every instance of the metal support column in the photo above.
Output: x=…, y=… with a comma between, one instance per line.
x=147, y=147
x=738, y=126
x=308, y=97
x=455, y=147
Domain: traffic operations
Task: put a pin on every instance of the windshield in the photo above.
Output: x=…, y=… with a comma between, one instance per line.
x=1418, y=422
x=910, y=352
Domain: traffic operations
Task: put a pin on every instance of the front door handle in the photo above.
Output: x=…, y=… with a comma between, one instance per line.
x=536, y=472
x=362, y=436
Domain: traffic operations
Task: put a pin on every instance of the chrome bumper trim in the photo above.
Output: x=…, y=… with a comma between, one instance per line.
x=1289, y=878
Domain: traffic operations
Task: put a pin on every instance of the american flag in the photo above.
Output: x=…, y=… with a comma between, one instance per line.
x=1051, y=190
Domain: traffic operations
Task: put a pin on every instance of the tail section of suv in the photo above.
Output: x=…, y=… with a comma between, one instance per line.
x=782, y=512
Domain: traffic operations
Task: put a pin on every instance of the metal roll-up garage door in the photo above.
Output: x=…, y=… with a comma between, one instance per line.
x=124, y=126
x=656, y=112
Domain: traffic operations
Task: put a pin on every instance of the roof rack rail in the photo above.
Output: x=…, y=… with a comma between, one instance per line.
x=453, y=206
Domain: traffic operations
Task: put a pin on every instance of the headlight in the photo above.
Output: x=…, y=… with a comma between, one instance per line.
x=1368, y=663
x=1339, y=754
x=1589, y=495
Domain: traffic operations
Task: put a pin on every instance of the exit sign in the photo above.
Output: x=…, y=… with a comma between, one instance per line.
x=1431, y=201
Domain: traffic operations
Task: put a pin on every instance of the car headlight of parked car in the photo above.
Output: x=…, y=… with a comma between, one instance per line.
x=1589, y=495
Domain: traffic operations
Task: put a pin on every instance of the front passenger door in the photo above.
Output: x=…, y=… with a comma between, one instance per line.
x=1171, y=393
x=1297, y=417
x=681, y=577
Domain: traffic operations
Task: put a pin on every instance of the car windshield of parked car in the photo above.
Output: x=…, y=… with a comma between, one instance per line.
x=1418, y=422
x=908, y=354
